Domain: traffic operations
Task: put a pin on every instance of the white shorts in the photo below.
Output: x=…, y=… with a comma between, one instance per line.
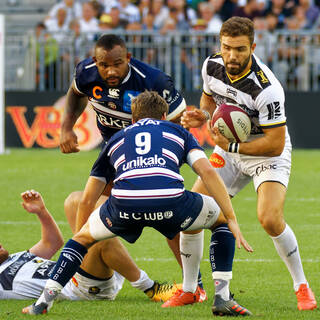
x=83, y=288
x=208, y=215
x=236, y=170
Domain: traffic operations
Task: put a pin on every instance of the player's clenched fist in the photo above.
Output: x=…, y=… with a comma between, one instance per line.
x=68, y=142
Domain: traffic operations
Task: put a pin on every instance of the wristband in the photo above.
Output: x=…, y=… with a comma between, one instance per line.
x=233, y=147
x=206, y=114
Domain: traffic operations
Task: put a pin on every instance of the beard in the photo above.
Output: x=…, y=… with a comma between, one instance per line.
x=234, y=71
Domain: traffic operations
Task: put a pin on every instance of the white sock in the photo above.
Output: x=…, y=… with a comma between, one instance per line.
x=143, y=283
x=191, y=251
x=50, y=285
x=287, y=247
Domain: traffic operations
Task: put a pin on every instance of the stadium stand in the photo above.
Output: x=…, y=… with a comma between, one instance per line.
x=166, y=36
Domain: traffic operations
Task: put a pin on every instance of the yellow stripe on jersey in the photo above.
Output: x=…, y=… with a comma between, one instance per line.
x=232, y=81
x=208, y=94
x=273, y=125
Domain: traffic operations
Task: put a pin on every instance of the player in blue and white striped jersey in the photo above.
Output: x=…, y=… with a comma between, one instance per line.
x=109, y=81
x=144, y=161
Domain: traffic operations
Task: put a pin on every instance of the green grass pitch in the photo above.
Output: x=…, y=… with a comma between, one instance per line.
x=260, y=280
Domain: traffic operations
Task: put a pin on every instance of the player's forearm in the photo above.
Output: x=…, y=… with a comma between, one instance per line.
x=50, y=232
x=207, y=104
x=268, y=146
x=75, y=105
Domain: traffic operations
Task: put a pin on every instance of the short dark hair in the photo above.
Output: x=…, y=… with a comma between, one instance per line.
x=109, y=41
x=238, y=26
x=148, y=104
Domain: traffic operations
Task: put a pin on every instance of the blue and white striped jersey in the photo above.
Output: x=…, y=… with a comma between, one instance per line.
x=113, y=105
x=144, y=160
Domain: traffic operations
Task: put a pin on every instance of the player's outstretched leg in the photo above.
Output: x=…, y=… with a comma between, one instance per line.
x=229, y=307
x=287, y=247
x=191, y=249
x=68, y=263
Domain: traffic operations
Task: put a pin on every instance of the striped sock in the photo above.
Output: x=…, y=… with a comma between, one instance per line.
x=68, y=263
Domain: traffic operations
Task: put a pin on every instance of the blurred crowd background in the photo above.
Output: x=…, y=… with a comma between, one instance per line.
x=45, y=39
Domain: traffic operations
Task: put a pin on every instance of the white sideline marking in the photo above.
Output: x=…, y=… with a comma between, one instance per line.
x=235, y=260
x=289, y=199
x=27, y=223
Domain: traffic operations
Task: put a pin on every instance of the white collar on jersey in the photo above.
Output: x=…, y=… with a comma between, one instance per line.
x=128, y=75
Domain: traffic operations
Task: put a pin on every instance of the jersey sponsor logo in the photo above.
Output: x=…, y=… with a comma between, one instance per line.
x=232, y=92
x=168, y=214
x=96, y=92
x=263, y=168
x=144, y=122
x=112, y=105
x=114, y=93
x=186, y=222
x=109, y=223
x=216, y=160
x=144, y=162
x=94, y=290
x=8, y=274
x=166, y=95
x=262, y=76
x=147, y=216
x=128, y=96
x=274, y=111
x=111, y=122
x=44, y=271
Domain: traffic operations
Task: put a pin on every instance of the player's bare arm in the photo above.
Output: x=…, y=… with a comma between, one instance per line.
x=51, y=236
x=93, y=190
x=197, y=117
x=270, y=145
x=75, y=105
x=218, y=191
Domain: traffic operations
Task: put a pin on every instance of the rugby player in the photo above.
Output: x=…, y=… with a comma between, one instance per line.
x=143, y=160
x=23, y=274
x=236, y=75
x=109, y=81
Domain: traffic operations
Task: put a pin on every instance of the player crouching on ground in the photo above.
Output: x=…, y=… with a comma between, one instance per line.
x=147, y=154
x=23, y=275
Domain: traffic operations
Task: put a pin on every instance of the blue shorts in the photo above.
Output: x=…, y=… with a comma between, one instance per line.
x=127, y=218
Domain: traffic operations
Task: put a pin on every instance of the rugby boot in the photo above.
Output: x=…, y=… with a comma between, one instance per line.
x=34, y=309
x=203, y=294
x=181, y=298
x=45, y=300
x=162, y=291
x=230, y=307
x=306, y=299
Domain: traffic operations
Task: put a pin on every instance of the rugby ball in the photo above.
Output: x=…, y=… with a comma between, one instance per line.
x=233, y=122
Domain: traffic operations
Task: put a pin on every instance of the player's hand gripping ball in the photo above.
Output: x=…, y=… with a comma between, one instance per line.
x=233, y=122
